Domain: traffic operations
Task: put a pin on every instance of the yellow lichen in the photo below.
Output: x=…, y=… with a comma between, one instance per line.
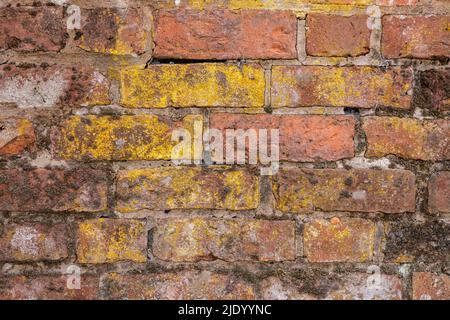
x=198, y=85
x=139, y=137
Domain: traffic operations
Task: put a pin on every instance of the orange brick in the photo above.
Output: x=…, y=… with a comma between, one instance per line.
x=337, y=36
x=225, y=34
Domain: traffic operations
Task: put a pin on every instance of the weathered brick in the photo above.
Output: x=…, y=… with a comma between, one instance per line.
x=42, y=287
x=337, y=36
x=274, y=288
x=195, y=239
x=360, y=87
x=315, y=285
x=138, y=137
x=186, y=285
x=307, y=190
x=186, y=188
x=52, y=190
x=225, y=34
x=432, y=90
x=27, y=29
x=33, y=242
x=47, y=86
x=431, y=286
x=407, y=138
x=111, y=240
x=114, y=31
x=410, y=241
x=339, y=240
x=424, y=37
x=439, y=192
x=192, y=85
x=258, y=4
x=360, y=286
x=396, y=2
x=301, y=138
x=16, y=136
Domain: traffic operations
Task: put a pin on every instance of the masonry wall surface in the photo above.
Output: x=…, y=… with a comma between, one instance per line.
x=359, y=209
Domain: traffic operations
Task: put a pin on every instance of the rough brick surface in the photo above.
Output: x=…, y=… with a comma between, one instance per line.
x=407, y=138
x=339, y=240
x=337, y=36
x=439, y=192
x=111, y=240
x=432, y=90
x=186, y=188
x=410, y=241
x=198, y=239
x=47, y=288
x=139, y=137
x=16, y=136
x=360, y=286
x=52, y=190
x=225, y=34
x=359, y=87
x=429, y=286
x=307, y=190
x=114, y=31
x=416, y=37
x=192, y=85
x=301, y=138
x=33, y=242
x=29, y=85
x=32, y=29
x=178, y=286
x=353, y=286
x=139, y=142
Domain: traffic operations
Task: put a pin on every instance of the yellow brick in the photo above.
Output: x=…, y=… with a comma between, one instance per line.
x=111, y=240
x=192, y=85
x=186, y=188
x=139, y=137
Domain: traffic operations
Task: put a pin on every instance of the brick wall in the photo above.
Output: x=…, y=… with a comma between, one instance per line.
x=360, y=91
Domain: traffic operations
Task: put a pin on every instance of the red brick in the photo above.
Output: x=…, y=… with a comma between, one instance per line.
x=114, y=31
x=339, y=240
x=430, y=286
x=407, y=138
x=186, y=188
x=111, y=240
x=432, y=91
x=302, y=138
x=359, y=87
x=16, y=136
x=47, y=288
x=52, y=190
x=185, y=285
x=225, y=34
x=423, y=37
x=33, y=242
x=439, y=192
x=337, y=36
x=27, y=29
x=47, y=86
x=364, y=190
x=195, y=239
